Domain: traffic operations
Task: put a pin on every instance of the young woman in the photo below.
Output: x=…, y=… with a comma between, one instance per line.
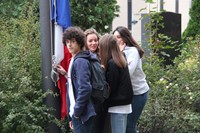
x=92, y=42
x=117, y=75
x=140, y=87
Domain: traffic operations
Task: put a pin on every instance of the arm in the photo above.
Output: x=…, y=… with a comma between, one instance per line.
x=133, y=58
x=112, y=75
x=61, y=70
x=84, y=87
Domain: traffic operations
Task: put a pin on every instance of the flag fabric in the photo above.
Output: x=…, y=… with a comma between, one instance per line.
x=61, y=18
x=62, y=83
x=61, y=12
x=58, y=45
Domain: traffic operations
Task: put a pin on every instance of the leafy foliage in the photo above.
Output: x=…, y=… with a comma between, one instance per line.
x=21, y=98
x=174, y=95
x=162, y=41
x=11, y=7
x=98, y=14
x=193, y=23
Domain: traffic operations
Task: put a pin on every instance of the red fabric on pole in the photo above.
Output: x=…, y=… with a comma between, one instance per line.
x=60, y=16
x=62, y=83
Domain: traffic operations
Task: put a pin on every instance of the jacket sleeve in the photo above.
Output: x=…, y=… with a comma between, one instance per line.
x=133, y=58
x=84, y=88
x=112, y=75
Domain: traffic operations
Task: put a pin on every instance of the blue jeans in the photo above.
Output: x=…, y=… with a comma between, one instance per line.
x=80, y=127
x=138, y=104
x=118, y=122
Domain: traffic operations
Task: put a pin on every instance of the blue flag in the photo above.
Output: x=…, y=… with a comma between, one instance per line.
x=60, y=16
x=61, y=13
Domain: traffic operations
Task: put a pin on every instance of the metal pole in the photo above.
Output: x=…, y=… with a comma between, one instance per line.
x=177, y=6
x=161, y=5
x=47, y=84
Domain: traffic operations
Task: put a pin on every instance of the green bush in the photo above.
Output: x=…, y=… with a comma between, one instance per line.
x=193, y=23
x=98, y=14
x=21, y=97
x=173, y=104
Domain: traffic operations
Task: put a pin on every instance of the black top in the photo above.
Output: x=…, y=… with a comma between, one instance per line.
x=120, y=84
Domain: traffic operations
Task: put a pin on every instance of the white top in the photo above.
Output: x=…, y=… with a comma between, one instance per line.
x=70, y=87
x=138, y=78
x=122, y=109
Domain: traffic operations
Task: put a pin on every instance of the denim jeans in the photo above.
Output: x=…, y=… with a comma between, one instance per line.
x=85, y=127
x=138, y=104
x=118, y=122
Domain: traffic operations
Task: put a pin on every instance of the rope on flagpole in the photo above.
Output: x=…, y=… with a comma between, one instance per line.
x=54, y=73
x=55, y=7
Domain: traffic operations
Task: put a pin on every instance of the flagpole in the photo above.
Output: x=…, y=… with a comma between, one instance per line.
x=47, y=83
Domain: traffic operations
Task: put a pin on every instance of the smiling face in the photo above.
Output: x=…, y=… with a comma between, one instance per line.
x=92, y=42
x=73, y=46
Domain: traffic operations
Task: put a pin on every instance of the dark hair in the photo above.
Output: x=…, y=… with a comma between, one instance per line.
x=74, y=33
x=110, y=49
x=128, y=39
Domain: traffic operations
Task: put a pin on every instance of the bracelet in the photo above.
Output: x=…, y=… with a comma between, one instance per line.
x=65, y=74
x=76, y=117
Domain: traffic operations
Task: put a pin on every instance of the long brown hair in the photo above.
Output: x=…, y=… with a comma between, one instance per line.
x=110, y=49
x=128, y=39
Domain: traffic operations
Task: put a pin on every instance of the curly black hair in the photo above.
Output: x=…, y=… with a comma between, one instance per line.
x=74, y=33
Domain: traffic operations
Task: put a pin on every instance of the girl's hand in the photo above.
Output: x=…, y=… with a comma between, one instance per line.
x=61, y=70
x=71, y=125
x=122, y=46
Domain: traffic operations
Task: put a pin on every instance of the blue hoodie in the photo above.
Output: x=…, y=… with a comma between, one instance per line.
x=80, y=76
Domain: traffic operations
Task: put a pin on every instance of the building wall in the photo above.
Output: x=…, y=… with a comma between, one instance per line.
x=137, y=5
x=122, y=20
x=184, y=7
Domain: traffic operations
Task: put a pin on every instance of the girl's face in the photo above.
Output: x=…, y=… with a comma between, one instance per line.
x=119, y=39
x=92, y=42
x=120, y=42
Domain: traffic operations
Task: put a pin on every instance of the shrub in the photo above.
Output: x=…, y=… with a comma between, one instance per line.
x=174, y=95
x=21, y=98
